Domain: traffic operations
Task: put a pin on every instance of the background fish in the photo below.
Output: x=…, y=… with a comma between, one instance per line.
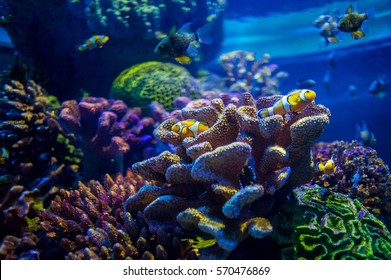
x=351, y=23
x=96, y=41
x=182, y=44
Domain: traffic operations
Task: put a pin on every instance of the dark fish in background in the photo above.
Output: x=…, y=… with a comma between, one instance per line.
x=332, y=59
x=326, y=79
x=351, y=23
x=328, y=28
x=379, y=87
x=329, y=32
x=305, y=83
x=364, y=135
x=352, y=91
x=5, y=20
x=182, y=44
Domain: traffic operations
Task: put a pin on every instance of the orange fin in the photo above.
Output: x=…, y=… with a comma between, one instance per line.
x=183, y=59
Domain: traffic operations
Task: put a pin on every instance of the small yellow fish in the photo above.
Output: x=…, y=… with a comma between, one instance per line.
x=4, y=155
x=96, y=41
x=294, y=102
x=328, y=168
x=189, y=128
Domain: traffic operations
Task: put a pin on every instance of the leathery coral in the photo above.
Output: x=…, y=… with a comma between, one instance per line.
x=214, y=181
x=90, y=223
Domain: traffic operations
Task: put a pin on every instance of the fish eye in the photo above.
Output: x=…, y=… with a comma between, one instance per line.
x=160, y=47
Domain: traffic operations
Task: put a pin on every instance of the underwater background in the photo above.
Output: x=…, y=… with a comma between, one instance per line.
x=127, y=133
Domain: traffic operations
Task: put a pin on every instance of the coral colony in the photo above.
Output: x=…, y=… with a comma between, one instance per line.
x=141, y=159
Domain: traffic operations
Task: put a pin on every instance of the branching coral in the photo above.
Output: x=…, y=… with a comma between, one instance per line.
x=327, y=225
x=360, y=173
x=209, y=181
x=143, y=83
x=38, y=146
x=90, y=223
x=246, y=73
x=107, y=130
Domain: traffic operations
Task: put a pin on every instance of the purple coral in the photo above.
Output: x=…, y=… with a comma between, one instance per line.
x=360, y=174
x=90, y=223
x=107, y=130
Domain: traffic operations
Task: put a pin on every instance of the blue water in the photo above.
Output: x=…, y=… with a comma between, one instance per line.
x=284, y=30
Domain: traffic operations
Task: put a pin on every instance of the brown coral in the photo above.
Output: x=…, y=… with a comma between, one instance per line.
x=218, y=175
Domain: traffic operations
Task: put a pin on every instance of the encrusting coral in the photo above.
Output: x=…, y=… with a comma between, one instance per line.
x=150, y=81
x=246, y=73
x=321, y=224
x=360, y=173
x=213, y=179
x=90, y=223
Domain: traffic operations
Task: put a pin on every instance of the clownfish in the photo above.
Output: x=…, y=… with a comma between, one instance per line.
x=327, y=168
x=294, y=102
x=96, y=41
x=4, y=155
x=189, y=128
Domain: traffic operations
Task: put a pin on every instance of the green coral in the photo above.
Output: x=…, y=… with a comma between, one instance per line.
x=325, y=225
x=161, y=82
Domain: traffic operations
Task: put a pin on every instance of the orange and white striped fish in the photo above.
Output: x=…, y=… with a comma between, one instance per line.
x=293, y=102
x=327, y=168
x=189, y=128
x=96, y=41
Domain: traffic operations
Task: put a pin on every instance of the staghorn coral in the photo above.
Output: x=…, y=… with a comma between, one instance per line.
x=322, y=224
x=215, y=180
x=134, y=27
x=90, y=223
x=360, y=174
x=245, y=73
x=38, y=146
x=107, y=130
x=161, y=82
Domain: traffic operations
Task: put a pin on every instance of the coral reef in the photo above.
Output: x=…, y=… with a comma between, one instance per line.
x=322, y=224
x=23, y=248
x=107, y=130
x=39, y=149
x=134, y=28
x=246, y=73
x=90, y=223
x=360, y=174
x=213, y=182
x=143, y=83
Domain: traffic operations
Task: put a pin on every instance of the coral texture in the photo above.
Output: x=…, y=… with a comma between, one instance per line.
x=360, y=174
x=246, y=73
x=90, y=223
x=161, y=82
x=38, y=146
x=107, y=130
x=327, y=225
x=213, y=179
